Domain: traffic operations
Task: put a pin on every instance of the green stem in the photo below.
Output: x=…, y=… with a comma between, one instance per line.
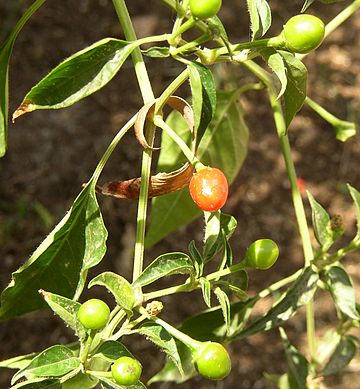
x=85, y=351
x=322, y=112
x=159, y=122
x=110, y=149
x=184, y=27
x=148, y=96
x=170, y=90
x=190, y=45
x=186, y=339
x=110, y=328
x=322, y=263
x=296, y=197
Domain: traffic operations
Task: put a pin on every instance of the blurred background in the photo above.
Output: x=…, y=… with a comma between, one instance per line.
x=51, y=153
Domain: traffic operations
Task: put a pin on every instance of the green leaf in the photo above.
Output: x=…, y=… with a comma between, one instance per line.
x=224, y=145
x=295, y=92
x=216, y=329
x=111, y=350
x=108, y=383
x=61, y=262
x=18, y=362
x=197, y=259
x=67, y=310
x=203, y=91
x=297, y=295
x=342, y=356
x=217, y=233
x=157, y=52
x=236, y=283
x=158, y=335
x=118, y=286
x=298, y=366
x=321, y=224
x=55, y=361
x=5, y=54
x=38, y=383
x=206, y=290
x=282, y=381
x=356, y=198
x=307, y=5
x=212, y=232
x=78, y=76
x=327, y=346
x=342, y=291
x=225, y=307
x=276, y=62
x=163, y=266
x=260, y=17
x=171, y=373
x=81, y=380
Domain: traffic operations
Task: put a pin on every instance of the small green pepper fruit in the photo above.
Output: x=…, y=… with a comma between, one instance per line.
x=261, y=254
x=204, y=9
x=303, y=33
x=126, y=371
x=94, y=314
x=212, y=361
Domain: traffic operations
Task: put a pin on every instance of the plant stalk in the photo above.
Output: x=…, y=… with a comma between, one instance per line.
x=148, y=96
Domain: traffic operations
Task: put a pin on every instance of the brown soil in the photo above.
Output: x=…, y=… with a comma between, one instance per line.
x=52, y=153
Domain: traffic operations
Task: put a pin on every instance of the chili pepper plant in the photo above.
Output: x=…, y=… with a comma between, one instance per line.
x=203, y=145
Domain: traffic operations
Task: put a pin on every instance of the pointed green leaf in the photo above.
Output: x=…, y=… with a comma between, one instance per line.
x=260, y=17
x=342, y=291
x=61, y=262
x=197, y=259
x=276, y=62
x=356, y=198
x=55, y=361
x=67, y=310
x=111, y=350
x=321, y=224
x=296, y=296
x=118, y=286
x=212, y=231
x=38, y=383
x=78, y=76
x=225, y=307
x=224, y=145
x=216, y=236
x=108, y=383
x=81, y=380
x=342, y=356
x=18, y=362
x=203, y=91
x=5, y=54
x=236, y=283
x=206, y=290
x=163, y=266
x=215, y=329
x=158, y=335
x=171, y=373
x=327, y=346
x=295, y=92
x=307, y=5
x=298, y=366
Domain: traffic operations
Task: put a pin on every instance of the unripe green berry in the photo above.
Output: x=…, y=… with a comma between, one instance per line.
x=94, y=314
x=126, y=371
x=262, y=254
x=204, y=9
x=212, y=361
x=303, y=33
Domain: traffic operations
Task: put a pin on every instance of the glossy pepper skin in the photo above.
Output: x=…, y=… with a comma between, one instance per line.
x=303, y=33
x=262, y=254
x=212, y=361
x=209, y=189
x=126, y=371
x=94, y=314
x=204, y=9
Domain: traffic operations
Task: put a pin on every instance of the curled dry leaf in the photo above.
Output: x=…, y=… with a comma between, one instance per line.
x=160, y=184
x=147, y=112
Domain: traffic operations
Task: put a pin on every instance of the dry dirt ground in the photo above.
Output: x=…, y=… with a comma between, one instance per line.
x=52, y=153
